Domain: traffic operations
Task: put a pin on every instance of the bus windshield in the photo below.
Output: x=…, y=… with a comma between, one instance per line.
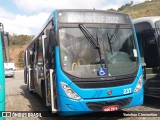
x=117, y=48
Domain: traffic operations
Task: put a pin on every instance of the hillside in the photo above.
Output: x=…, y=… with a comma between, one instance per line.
x=18, y=43
x=148, y=8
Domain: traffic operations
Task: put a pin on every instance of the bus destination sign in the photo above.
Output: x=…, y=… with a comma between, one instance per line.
x=92, y=17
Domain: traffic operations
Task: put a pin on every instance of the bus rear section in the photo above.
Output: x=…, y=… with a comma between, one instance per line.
x=4, y=57
x=90, y=62
x=148, y=33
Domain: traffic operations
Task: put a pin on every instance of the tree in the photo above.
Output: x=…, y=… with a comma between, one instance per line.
x=126, y=5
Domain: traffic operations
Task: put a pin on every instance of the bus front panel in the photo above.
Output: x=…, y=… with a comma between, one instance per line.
x=95, y=99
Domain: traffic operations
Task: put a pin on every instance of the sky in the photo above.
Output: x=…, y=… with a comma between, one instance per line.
x=28, y=16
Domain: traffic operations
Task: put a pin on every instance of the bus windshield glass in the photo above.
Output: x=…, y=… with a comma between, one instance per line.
x=79, y=58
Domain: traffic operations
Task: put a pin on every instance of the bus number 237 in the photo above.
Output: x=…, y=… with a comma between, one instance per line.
x=127, y=90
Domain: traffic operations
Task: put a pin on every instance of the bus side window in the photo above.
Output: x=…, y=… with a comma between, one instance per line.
x=40, y=50
x=31, y=52
x=49, y=45
x=35, y=53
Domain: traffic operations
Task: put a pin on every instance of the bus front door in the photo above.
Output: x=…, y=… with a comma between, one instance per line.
x=49, y=73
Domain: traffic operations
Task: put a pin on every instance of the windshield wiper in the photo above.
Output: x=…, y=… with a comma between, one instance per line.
x=112, y=38
x=109, y=40
x=94, y=42
x=99, y=49
x=89, y=36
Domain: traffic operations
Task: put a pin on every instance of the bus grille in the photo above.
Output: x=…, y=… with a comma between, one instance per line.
x=104, y=83
x=98, y=106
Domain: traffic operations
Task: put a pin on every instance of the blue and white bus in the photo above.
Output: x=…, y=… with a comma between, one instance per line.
x=4, y=57
x=148, y=33
x=85, y=61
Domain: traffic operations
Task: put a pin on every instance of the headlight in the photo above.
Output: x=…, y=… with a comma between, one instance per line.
x=139, y=84
x=69, y=92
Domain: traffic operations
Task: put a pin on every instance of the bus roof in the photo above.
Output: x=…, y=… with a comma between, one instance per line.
x=151, y=20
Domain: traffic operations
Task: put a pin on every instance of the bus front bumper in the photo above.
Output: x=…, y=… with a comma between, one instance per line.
x=74, y=107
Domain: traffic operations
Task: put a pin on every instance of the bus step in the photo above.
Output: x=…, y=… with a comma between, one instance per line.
x=152, y=76
x=152, y=94
x=152, y=70
x=152, y=84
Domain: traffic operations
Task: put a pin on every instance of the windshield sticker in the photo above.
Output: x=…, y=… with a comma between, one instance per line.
x=102, y=72
x=65, y=58
x=135, y=53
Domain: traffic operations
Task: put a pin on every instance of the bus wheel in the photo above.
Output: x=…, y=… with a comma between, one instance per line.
x=43, y=92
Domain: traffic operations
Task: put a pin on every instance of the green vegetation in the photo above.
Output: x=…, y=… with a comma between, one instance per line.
x=148, y=8
x=17, y=45
x=125, y=6
x=20, y=39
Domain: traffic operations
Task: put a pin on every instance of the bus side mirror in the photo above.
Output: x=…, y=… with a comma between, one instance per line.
x=52, y=37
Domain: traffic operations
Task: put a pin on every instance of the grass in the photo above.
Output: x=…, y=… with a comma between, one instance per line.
x=144, y=9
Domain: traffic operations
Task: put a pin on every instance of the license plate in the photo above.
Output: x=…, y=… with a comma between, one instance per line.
x=110, y=108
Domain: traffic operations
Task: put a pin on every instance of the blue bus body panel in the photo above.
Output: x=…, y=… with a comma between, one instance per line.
x=93, y=95
x=2, y=82
x=2, y=108
x=71, y=107
x=139, y=56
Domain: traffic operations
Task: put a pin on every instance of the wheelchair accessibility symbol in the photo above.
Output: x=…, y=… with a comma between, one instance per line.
x=102, y=72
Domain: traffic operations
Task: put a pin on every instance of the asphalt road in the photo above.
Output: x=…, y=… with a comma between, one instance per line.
x=19, y=99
